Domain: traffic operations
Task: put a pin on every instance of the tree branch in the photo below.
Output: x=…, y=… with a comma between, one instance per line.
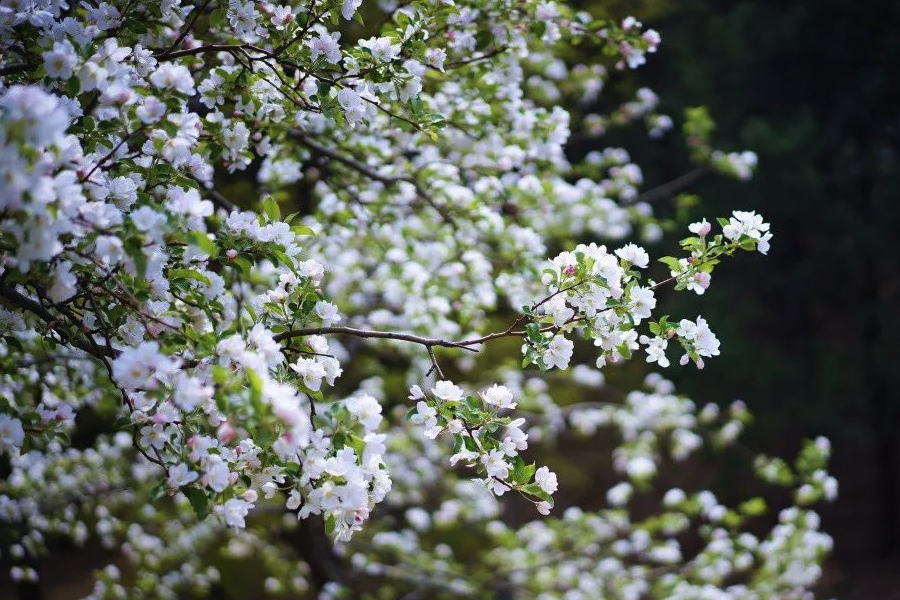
x=667, y=189
x=371, y=173
x=196, y=14
x=369, y=333
x=25, y=303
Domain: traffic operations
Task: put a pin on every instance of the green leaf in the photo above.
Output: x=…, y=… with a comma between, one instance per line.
x=13, y=343
x=671, y=262
x=302, y=230
x=329, y=525
x=135, y=250
x=122, y=423
x=136, y=26
x=538, y=28
x=283, y=258
x=522, y=473
x=220, y=374
x=243, y=264
x=157, y=491
x=190, y=274
x=533, y=331
x=73, y=86
x=255, y=385
x=754, y=507
x=200, y=239
x=534, y=489
x=199, y=501
x=270, y=207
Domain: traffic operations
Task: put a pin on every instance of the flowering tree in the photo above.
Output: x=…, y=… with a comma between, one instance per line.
x=171, y=356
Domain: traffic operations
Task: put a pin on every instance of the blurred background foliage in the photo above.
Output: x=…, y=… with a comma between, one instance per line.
x=809, y=335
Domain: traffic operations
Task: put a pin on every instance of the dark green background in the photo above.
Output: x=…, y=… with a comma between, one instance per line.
x=810, y=334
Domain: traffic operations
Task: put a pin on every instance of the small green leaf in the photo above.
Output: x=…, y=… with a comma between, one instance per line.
x=199, y=501
x=122, y=423
x=190, y=274
x=73, y=86
x=220, y=374
x=157, y=491
x=671, y=262
x=302, y=230
x=135, y=250
x=201, y=240
x=753, y=507
x=270, y=207
x=243, y=264
x=255, y=385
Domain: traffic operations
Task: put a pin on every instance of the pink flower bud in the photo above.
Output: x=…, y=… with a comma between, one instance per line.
x=225, y=433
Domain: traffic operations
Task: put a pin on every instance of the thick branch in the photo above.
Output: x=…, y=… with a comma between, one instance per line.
x=369, y=333
x=213, y=48
x=27, y=304
x=221, y=201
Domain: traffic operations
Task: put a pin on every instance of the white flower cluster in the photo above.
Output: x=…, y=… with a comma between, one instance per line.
x=483, y=440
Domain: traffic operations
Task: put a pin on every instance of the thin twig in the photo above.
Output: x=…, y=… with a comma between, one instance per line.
x=372, y=173
x=194, y=16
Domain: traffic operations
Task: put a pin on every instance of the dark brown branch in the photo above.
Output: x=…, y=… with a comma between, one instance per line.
x=475, y=59
x=371, y=173
x=25, y=303
x=221, y=201
x=434, y=364
x=667, y=189
x=109, y=155
x=196, y=14
x=354, y=164
x=368, y=333
x=230, y=48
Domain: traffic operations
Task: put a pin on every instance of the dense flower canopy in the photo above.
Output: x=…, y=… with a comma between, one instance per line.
x=209, y=333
